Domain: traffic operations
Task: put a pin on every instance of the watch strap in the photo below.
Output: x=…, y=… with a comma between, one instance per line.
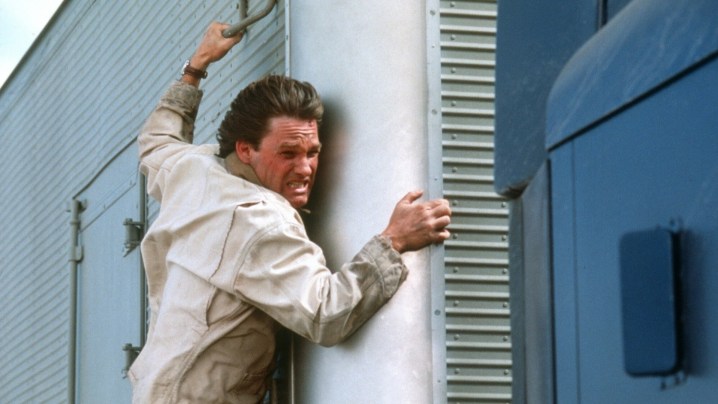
x=194, y=72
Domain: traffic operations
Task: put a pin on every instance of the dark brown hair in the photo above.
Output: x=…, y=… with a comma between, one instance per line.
x=272, y=96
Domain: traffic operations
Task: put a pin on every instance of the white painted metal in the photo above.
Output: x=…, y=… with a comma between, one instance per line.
x=368, y=60
x=109, y=284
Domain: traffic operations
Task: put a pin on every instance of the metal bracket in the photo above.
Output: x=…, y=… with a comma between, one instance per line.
x=243, y=8
x=131, y=353
x=246, y=22
x=76, y=251
x=133, y=234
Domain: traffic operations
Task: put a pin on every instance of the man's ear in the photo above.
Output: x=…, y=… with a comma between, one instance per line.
x=243, y=150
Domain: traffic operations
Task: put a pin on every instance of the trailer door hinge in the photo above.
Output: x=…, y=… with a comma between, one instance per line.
x=133, y=234
x=131, y=353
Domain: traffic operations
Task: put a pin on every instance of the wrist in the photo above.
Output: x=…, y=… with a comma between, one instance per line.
x=190, y=70
x=193, y=73
x=199, y=61
x=393, y=242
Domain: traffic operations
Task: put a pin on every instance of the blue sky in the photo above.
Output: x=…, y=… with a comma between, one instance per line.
x=20, y=23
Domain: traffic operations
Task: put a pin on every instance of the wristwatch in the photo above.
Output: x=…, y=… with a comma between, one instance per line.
x=196, y=73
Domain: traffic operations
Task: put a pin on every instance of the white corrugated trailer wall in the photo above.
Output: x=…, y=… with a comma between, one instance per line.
x=78, y=99
x=377, y=64
x=368, y=59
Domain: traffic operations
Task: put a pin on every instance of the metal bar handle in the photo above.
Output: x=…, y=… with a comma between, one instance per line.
x=242, y=25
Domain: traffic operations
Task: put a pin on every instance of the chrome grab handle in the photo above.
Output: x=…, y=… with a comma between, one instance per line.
x=242, y=25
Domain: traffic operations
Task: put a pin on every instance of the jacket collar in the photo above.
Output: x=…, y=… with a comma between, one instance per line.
x=236, y=167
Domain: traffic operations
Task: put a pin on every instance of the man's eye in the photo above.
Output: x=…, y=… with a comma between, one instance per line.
x=288, y=155
x=313, y=154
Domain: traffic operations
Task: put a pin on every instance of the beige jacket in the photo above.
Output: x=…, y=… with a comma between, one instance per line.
x=227, y=263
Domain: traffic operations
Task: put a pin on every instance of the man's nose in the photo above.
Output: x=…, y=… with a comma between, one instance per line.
x=303, y=166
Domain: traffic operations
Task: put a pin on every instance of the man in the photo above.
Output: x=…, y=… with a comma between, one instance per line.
x=228, y=261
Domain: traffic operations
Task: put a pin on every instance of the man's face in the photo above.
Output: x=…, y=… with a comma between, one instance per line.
x=287, y=157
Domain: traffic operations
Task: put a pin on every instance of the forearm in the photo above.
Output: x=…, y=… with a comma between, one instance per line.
x=376, y=271
x=286, y=278
x=168, y=130
x=172, y=120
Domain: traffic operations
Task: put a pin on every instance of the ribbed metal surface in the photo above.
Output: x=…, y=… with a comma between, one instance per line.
x=78, y=99
x=478, y=330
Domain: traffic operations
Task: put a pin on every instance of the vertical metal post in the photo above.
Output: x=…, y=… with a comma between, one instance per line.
x=435, y=188
x=287, y=39
x=288, y=72
x=143, y=278
x=76, y=253
x=292, y=353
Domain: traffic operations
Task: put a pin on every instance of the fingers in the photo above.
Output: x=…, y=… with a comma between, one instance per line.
x=412, y=196
x=441, y=222
x=218, y=28
x=439, y=207
x=441, y=204
x=437, y=216
x=441, y=213
x=213, y=46
x=441, y=236
x=237, y=37
x=438, y=210
x=413, y=226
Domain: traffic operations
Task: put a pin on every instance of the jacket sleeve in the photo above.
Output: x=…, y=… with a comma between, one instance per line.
x=284, y=275
x=168, y=131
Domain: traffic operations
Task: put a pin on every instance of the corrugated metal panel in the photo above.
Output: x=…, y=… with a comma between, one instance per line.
x=38, y=169
x=80, y=98
x=478, y=334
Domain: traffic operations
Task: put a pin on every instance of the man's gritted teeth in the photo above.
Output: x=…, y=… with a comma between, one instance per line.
x=299, y=186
